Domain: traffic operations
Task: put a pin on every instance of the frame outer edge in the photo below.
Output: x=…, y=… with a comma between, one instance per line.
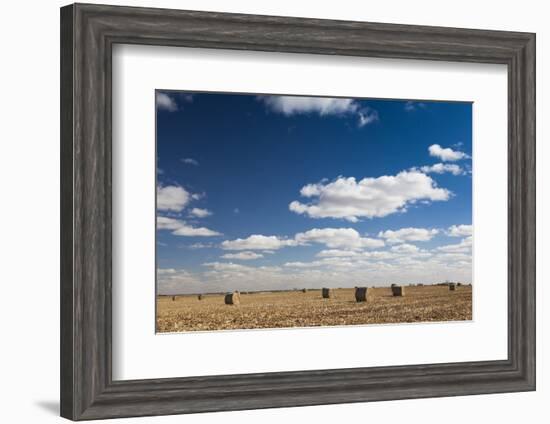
x=529, y=133
x=87, y=32
x=67, y=382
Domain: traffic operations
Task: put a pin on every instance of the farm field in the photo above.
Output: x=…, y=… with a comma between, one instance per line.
x=294, y=308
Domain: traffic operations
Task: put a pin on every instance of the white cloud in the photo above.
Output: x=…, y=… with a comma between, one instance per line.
x=367, y=116
x=225, y=266
x=200, y=213
x=335, y=238
x=189, y=231
x=369, y=268
x=408, y=234
x=293, y=105
x=243, y=256
x=323, y=106
x=165, y=223
x=165, y=102
x=370, y=197
x=180, y=228
x=464, y=246
x=411, y=106
x=440, y=168
x=378, y=255
x=298, y=264
x=459, y=230
x=336, y=253
x=257, y=242
x=405, y=248
x=446, y=154
x=199, y=246
x=172, y=198
x=453, y=260
x=330, y=262
x=190, y=161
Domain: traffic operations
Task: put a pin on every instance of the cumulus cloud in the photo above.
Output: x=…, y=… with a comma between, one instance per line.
x=406, y=265
x=335, y=238
x=243, y=256
x=459, y=230
x=408, y=234
x=199, y=213
x=378, y=255
x=323, y=106
x=172, y=198
x=441, y=168
x=199, y=246
x=446, y=154
x=293, y=105
x=405, y=248
x=464, y=246
x=257, y=242
x=166, y=102
x=349, y=199
x=190, y=231
x=336, y=253
x=165, y=223
x=181, y=228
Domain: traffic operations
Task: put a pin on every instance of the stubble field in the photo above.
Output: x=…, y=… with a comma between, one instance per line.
x=298, y=309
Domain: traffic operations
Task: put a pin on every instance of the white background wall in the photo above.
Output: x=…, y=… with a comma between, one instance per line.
x=29, y=212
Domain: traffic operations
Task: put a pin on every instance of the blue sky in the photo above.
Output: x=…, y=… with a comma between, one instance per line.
x=274, y=192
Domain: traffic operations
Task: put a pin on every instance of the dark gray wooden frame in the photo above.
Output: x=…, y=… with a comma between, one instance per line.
x=88, y=33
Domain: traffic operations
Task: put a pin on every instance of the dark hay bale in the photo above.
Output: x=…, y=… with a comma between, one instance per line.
x=233, y=298
x=458, y=284
x=173, y=298
x=327, y=293
x=394, y=285
x=304, y=290
x=398, y=290
x=452, y=286
x=361, y=294
x=199, y=297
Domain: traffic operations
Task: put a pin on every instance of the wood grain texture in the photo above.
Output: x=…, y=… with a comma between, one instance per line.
x=88, y=33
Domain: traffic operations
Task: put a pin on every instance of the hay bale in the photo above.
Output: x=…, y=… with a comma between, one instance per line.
x=233, y=298
x=327, y=293
x=458, y=284
x=398, y=290
x=304, y=290
x=173, y=298
x=199, y=297
x=393, y=285
x=361, y=294
x=452, y=286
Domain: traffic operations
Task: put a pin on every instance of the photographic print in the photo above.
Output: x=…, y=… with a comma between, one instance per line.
x=284, y=211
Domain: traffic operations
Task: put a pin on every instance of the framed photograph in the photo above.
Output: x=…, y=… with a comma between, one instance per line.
x=262, y=212
x=244, y=243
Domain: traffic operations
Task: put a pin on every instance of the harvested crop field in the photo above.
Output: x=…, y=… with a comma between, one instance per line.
x=308, y=309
